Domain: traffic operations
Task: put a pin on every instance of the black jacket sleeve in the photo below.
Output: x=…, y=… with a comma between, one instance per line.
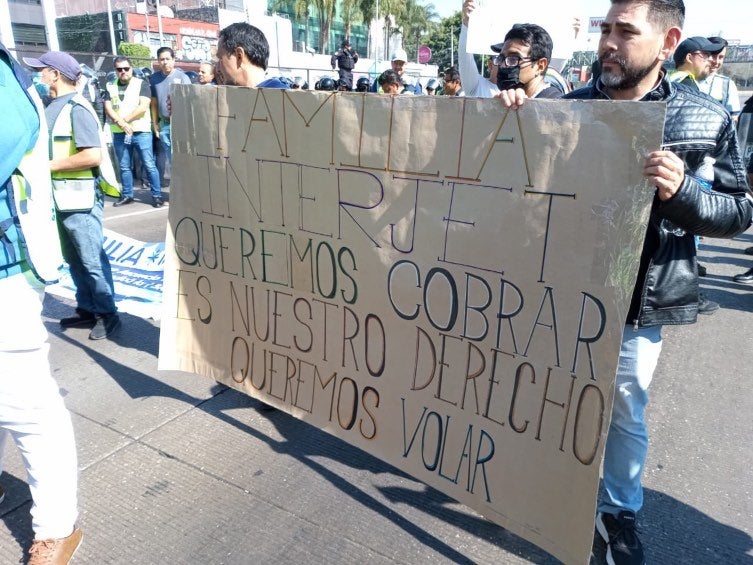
x=727, y=209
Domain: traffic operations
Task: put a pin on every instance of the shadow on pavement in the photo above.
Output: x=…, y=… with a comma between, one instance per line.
x=673, y=532
x=134, y=383
x=142, y=335
x=15, y=508
x=298, y=443
x=312, y=442
x=723, y=291
x=438, y=505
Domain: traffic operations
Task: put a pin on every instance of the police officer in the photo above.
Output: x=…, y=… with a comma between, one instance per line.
x=345, y=59
x=362, y=84
x=326, y=84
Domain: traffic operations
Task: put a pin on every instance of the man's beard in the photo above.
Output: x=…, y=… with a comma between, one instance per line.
x=629, y=77
x=223, y=79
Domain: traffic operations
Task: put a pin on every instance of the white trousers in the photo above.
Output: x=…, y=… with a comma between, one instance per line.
x=32, y=411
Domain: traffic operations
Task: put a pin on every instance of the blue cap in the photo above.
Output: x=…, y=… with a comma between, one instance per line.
x=62, y=62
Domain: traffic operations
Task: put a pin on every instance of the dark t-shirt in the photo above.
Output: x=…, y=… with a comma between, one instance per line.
x=160, y=88
x=550, y=92
x=144, y=92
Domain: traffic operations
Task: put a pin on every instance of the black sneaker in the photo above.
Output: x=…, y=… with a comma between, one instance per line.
x=701, y=270
x=620, y=533
x=157, y=202
x=106, y=326
x=83, y=318
x=123, y=201
x=706, y=306
x=744, y=278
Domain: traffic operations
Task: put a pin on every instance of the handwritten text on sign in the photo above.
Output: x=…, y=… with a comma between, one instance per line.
x=440, y=282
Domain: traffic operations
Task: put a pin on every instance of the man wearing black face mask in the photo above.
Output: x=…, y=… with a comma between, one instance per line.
x=523, y=59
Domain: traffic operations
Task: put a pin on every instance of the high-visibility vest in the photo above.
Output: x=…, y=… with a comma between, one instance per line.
x=683, y=77
x=31, y=206
x=62, y=145
x=718, y=89
x=130, y=102
x=34, y=206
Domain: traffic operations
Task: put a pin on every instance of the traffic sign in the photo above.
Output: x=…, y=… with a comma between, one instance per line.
x=424, y=54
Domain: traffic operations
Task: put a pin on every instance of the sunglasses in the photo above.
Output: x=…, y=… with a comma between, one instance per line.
x=122, y=69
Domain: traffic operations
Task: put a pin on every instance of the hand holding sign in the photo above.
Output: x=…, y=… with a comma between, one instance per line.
x=666, y=171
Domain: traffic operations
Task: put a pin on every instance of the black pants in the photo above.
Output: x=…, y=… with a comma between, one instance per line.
x=347, y=76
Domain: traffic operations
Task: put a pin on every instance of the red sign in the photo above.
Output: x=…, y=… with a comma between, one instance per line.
x=424, y=54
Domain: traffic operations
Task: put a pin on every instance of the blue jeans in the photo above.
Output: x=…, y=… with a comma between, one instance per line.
x=165, y=140
x=166, y=157
x=627, y=442
x=81, y=240
x=142, y=141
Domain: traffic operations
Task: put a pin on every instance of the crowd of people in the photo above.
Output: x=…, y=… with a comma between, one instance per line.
x=54, y=191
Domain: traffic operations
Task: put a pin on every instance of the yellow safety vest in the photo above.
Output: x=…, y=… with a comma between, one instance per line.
x=62, y=145
x=34, y=207
x=129, y=103
x=683, y=77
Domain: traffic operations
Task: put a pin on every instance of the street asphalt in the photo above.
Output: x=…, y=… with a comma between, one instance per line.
x=175, y=468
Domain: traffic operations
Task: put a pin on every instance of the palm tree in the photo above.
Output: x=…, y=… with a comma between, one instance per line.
x=415, y=20
x=391, y=8
x=298, y=8
x=350, y=14
x=367, y=8
x=325, y=10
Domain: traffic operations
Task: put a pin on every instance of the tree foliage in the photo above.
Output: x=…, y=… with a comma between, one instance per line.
x=392, y=11
x=325, y=12
x=138, y=54
x=415, y=21
x=443, y=50
x=350, y=13
x=412, y=18
x=300, y=9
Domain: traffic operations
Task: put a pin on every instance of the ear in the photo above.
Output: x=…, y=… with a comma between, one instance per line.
x=542, y=64
x=239, y=55
x=671, y=41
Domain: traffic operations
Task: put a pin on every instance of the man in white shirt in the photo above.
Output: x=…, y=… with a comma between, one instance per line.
x=721, y=88
x=474, y=85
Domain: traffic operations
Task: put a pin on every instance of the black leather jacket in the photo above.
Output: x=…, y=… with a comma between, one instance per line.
x=666, y=291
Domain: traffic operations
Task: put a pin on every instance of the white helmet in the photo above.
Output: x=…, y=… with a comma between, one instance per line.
x=400, y=55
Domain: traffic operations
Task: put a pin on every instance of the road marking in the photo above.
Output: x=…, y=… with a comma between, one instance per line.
x=139, y=213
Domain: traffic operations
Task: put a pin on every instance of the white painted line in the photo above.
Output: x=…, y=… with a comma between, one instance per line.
x=139, y=213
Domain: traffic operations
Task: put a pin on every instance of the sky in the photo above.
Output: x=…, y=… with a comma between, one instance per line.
x=732, y=19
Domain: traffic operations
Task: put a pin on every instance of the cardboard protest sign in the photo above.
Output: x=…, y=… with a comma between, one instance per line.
x=440, y=282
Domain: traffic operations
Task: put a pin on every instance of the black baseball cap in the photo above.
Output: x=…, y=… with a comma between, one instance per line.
x=696, y=43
